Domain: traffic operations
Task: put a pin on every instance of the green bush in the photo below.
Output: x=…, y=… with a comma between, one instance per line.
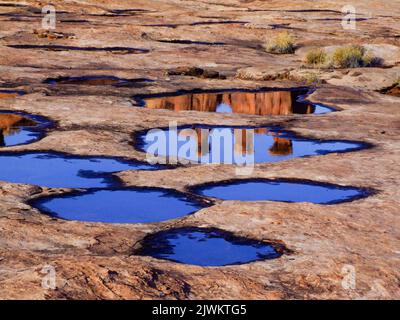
x=316, y=56
x=281, y=43
x=352, y=56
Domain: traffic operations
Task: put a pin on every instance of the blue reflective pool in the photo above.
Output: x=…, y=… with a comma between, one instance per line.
x=236, y=145
x=280, y=190
x=20, y=128
x=205, y=247
x=125, y=205
x=263, y=102
x=58, y=170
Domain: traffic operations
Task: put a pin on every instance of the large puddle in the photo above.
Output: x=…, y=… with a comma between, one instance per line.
x=117, y=50
x=98, y=81
x=261, y=103
x=19, y=128
x=280, y=190
x=124, y=205
x=234, y=145
x=58, y=170
x=205, y=247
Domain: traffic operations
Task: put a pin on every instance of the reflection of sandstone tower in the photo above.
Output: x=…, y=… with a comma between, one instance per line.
x=9, y=124
x=265, y=103
x=8, y=95
x=244, y=141
x=197, y=102
x=281, y=147
x=259, y=103
x=201, y=137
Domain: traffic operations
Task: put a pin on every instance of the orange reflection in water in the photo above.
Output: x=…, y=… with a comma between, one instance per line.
x=258, y=103
x=5, y=95
x=243, y=141
x=10, y=124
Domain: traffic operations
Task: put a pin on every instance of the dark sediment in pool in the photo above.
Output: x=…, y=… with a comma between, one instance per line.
x=190, y=42
x=59, y=170
x=206, y=247
x=123, y=205
x=393, y=90
x=234, y=145
x=254, y=102
x=121, y=50
x=18, y=128
x=98, y=81
x=4, y=94
x=280, y=190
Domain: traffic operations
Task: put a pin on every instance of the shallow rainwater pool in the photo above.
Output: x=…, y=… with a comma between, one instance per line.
x=234, y=145
x=260, y=102
x=59, y=170
x=19, y=128
x=280, y=190
x=123, y=205
x=98, y=80
x=205, y=247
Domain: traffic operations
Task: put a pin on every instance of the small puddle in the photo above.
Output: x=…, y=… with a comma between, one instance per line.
x=59, y=170
x=124, y=205
x=206, y=247
x=280, y=190
x=120, y=50
x=5, y=94
x=98, y=81
x=234, y=145
x=393, y=90
x=201, y=43
x=262, y=103
x=18, y=128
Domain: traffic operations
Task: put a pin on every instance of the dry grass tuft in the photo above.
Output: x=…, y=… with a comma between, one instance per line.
x=283, y=43
x=352, y=56
x=316, y=57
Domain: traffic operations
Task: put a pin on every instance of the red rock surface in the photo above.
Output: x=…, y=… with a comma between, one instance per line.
x=94, y=260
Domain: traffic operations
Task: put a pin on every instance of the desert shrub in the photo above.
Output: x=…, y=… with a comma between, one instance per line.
x=351, y=56
x=316, y=56
x=281, y=43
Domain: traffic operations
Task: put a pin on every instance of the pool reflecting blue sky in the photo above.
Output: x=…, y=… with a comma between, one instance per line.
x=58, y=170
x=205, y=247
x=235, y=145
x=125, y=205
x=280, y=190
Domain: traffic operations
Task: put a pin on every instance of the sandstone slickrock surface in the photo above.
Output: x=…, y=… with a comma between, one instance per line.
x=96, y=261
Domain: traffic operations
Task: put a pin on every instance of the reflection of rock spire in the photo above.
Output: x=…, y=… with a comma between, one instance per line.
x=10, y=123
x=254, y=103
x=201, y=136
x=281, y=147
x=8, y=95
x=244, y=141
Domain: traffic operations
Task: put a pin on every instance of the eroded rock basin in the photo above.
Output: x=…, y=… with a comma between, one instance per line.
x=259, y=102
x=206, y=247
x=280, y=190
x=60, y=170
x=19, y=128
x=235, y=145
x=5, y=94
x=123, y=205
x=116, y=50
x=98, y=80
